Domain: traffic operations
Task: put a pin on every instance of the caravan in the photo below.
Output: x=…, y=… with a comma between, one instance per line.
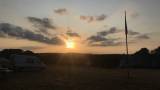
x=26, y=62
x=4, y=65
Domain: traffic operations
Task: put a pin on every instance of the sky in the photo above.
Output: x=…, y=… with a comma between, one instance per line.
x=94, y=26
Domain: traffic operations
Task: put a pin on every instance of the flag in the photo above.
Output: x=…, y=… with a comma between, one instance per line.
x=126, y=28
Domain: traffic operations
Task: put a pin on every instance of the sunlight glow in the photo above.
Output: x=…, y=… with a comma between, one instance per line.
x=70, y=44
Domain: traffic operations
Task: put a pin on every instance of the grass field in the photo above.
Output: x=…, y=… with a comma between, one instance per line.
x=71, y=77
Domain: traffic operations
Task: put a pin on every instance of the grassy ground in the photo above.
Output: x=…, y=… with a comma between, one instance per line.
x=58, y=77
x=74, y=73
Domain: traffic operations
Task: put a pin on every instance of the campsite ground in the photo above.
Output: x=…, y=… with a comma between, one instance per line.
x=70, y=77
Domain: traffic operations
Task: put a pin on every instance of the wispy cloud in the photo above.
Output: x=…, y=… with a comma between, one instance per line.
x=96, y=38
x=72, y=34
x=100, y=38
x=134, y=14
x=130, y=32
x=138, y=35
x=31, y=47
x=112, y=30
x=90, y=19
x=143, y=36
x=61, y=11
x=11, y=31
x=101, y=17
x=41, y=24
x=87, y=18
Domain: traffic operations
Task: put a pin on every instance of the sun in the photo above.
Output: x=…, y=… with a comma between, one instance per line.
x=70, y=44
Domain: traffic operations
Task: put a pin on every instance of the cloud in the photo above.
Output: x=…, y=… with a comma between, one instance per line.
x=138, y=35
x=106, y=43
x=8, y=30
x=87, y=18
x=100, y=38
x=96, y=38
x=112, y=30
x=41, y=24
x=93, y=18
x=102, y=41
x=134, y=14
x=101, y=17
x=72, y=34
x=31, y=47
x=130, y=32
x=61, y=11
x=143, y=36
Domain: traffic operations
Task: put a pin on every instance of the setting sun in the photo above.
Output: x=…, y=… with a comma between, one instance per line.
x=70, y=44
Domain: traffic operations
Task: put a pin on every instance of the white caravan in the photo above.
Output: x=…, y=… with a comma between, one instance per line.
x=26, y=62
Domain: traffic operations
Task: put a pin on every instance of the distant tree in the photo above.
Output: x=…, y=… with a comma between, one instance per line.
x=156, y=57
x=7, y=52
x=28, y=52
x=142, y=58
x=13, y=51
x=142, y=51
x=156, y=51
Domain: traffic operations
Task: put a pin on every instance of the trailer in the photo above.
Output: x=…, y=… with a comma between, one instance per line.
x=26, y=62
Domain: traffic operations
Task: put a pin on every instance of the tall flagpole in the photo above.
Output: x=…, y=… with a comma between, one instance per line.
x=126, y=33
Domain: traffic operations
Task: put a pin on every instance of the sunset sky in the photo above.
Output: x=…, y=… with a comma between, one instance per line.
x=93, y=26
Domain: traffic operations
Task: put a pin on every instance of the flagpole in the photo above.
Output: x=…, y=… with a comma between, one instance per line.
x=126, y=33
x=127, y=45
